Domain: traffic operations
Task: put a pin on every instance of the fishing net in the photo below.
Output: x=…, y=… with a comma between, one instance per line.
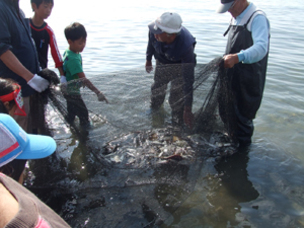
x=130, y=166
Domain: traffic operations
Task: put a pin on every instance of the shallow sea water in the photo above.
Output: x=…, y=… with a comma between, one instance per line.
x=263, y=189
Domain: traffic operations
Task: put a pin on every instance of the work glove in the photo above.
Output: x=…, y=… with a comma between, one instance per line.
x=63, y=79
x=49, y=75
x=38, y=83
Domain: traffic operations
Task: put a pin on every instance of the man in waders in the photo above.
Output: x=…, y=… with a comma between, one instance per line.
x=172, y=45
x=246, y=62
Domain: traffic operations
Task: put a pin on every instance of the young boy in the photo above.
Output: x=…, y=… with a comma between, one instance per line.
x=18, y=206
x=76, y=36
x=43, y=35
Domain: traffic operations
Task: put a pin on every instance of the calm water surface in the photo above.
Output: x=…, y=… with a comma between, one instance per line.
x=274, y=173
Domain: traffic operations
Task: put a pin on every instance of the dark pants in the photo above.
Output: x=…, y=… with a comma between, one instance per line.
x=244, y=129
x=76, y=107
x=240, y=127
x=38, y=103
x=165, y=73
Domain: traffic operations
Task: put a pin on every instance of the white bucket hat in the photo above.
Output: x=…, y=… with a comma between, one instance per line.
x=168, y=22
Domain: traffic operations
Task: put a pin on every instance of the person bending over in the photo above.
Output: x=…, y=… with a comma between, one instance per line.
x=172, y=45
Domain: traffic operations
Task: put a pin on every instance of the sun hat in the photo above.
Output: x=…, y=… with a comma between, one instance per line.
x=15, y=143
x=168, y=22
x=225, y=5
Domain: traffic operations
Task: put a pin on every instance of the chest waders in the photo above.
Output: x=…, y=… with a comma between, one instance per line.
x=247, y=81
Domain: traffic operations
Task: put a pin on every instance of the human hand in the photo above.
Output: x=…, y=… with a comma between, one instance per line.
x=230, y=60
x=63, y=79
x=148, y=66
x=188, y=117
x=101, y=97
x=38, y=83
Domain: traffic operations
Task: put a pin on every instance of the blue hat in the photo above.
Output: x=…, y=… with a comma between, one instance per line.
x=15, y=143
x=225, y=5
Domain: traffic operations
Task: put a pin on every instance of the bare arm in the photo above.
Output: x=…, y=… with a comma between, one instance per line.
x=88, y=83
x=61, y=71
x=11, y=61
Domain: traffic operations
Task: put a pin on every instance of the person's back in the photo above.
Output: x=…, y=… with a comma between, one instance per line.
x=166, y=54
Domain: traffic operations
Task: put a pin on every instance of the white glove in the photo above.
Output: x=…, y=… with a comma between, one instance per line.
x=38, y=83
x=63, y=79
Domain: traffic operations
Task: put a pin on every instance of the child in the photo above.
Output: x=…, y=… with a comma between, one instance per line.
x=43, y=34
x=72, y=65
x=18, y=206
x=11, y=102
x=11, y=96
x=44, y=37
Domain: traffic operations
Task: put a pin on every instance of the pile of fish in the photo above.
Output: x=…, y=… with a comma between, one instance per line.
x=135, y=180
x=160, y=146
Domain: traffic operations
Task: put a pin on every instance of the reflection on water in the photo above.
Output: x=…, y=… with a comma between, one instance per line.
x=234, y=182
x=245, y=191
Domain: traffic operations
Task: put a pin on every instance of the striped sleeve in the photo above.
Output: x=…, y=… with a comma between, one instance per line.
x=54, y=48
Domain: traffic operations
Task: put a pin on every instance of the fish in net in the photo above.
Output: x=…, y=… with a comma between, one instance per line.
x=131, y=167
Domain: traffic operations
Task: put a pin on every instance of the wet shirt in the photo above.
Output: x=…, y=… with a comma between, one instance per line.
x=72, y=65
x=15, y=35
x=45, y=37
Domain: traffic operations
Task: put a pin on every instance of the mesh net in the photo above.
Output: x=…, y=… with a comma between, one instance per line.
x=130, y=166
